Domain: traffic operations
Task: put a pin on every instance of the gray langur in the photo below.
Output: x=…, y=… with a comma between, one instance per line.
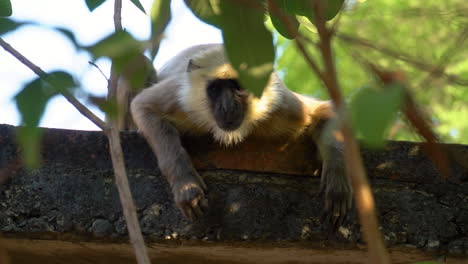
x=197, y=93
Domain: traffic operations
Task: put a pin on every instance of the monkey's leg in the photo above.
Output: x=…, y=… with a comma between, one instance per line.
x=334, y=184
x=173, y=160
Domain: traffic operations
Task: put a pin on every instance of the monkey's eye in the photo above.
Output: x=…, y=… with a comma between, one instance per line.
x=213, y=90
x=235, y=84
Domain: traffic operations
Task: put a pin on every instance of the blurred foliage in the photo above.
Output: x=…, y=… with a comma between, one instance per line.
x=374, y=125
x=426, y=40
x=160, y=17
x=252, y=55
x=31, y=102
x=5, y=8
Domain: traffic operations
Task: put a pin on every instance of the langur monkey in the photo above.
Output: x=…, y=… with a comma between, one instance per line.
x=197, y=93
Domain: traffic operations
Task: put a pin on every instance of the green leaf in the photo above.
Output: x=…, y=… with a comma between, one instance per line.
x=306, y=8
x=374, y=110
x=299, y=7
x=160, y=17
x=32, y=99
x=249, y=45
x=139, y=5
x=139, y=72
x=5, y=8
x=93, y=4
x=332, y=8
x=29, y=139
x=126, y=55
x=60, y=82
x=7, y=25
x=120, y=47
x=116, y=45
x=206, y=10
x=286, y=25
x=31, y=102
x=110, y=107
x=70, y=35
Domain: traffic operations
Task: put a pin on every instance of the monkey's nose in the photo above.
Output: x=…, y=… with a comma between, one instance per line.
x=230, y=125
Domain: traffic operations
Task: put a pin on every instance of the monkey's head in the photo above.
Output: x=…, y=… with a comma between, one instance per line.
x=227, y=102
x=217, y=100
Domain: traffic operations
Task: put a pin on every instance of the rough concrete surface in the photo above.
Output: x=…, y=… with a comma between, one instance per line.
x=262, y=193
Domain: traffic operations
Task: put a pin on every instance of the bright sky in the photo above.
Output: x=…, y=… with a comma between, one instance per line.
x=51, y=51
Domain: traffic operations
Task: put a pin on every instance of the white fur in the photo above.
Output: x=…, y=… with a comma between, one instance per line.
x=194, y=100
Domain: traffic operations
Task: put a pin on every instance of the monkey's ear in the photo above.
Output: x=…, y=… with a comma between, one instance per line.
x=192, y=66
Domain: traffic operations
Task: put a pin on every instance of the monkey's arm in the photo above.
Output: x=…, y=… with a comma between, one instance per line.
x=334, y=183
x=149, y=109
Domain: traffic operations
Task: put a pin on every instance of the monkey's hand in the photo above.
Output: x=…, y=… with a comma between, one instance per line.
x=189, y=195
x=338, y=194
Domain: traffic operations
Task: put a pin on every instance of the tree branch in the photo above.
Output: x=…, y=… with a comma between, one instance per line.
x=99, y=69
x=118, y=163
x=79, y=106
x=353, y=160
x=433, y=69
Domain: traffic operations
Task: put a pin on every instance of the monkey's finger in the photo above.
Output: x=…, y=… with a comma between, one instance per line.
x=196, y=208
x=204, y=204
x=188, y=212
x=338, y=222
x=201, y=181
x=326, y=212
x=322, y=188
x=344, y=210
x=324, y=217
x=337, y=208
x=329, y=220
x=350, y=201
x=328, y=203
x=203, y=185
x=337, y=216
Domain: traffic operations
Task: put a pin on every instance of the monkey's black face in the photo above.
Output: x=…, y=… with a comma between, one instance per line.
x=228, y=102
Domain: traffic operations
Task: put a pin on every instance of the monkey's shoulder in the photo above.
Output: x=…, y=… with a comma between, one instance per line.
x=185, y=124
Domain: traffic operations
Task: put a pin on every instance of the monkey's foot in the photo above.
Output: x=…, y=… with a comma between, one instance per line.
x=338, y=195
x=189, y=196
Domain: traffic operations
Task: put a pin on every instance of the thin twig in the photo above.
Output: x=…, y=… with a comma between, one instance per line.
x=433, y=69
x=414, y=115
x=113, y=79
x=118, y=15
x=126, y=199
x=308, y=58
x=353, y=160
x=449, y=53
x=420, y=122
x=99, y=69
x=79, y=106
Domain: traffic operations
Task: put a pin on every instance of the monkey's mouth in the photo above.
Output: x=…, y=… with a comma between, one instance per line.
x=229, y=125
